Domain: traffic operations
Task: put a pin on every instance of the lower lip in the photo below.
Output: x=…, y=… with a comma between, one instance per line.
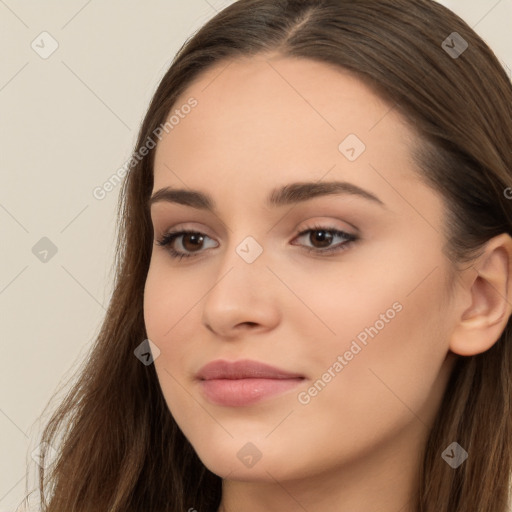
x=239, y=392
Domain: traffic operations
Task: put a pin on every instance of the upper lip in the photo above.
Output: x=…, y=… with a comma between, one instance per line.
x=243, y=369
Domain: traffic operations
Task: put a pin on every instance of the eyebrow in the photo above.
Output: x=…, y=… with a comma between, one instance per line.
x=292, y=193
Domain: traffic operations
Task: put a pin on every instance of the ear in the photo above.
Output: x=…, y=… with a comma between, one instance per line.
x=488, y=289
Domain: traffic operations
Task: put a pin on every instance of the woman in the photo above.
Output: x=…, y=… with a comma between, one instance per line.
x=312, y=303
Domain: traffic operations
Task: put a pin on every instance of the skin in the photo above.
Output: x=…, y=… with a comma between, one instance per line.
x=356, y=446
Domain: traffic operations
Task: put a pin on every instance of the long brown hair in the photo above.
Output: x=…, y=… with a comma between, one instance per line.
x=121, y=450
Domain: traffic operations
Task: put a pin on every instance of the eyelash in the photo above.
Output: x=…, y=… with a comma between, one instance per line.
x=169, y=238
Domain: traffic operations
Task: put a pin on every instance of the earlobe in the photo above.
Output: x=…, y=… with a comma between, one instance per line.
x=489, y=285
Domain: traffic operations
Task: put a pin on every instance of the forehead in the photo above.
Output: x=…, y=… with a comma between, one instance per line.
x=270, y=119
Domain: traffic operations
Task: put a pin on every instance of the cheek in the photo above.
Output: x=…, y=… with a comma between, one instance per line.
x=392, y=350
x=168, y=302
x=167, y=308
x=171, y=309
x=393, y=307
x=386, y=314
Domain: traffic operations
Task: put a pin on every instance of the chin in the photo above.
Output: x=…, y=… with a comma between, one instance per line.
x=258, y=461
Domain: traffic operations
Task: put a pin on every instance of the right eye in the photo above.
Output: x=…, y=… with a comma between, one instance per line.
x=192, y=238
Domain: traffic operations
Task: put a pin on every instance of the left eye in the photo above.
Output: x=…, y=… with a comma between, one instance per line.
x=325, y=236
x=192, y=240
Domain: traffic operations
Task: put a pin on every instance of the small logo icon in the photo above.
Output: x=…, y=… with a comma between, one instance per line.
x=455, y=455
x=44, y=250
x=50, y=454
x=249, y=249
x=147, y=352
x=249, y=455
x=454, y=45
x=352, y=147
x=44, y=45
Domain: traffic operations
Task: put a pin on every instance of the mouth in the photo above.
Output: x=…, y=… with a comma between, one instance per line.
x=244, y=382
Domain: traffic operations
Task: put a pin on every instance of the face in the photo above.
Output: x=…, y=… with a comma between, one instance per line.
x=344, y=293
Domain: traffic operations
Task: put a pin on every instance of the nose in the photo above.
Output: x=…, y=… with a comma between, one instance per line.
x=243, y=297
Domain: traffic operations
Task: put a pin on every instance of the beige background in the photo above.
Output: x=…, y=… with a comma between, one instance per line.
x=68, y=123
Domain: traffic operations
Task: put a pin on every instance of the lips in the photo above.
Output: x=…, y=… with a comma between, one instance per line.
x=243, y=369
x=244, y=382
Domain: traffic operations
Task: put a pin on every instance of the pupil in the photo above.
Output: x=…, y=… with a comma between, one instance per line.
x=326, y=239
x=195, y=240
